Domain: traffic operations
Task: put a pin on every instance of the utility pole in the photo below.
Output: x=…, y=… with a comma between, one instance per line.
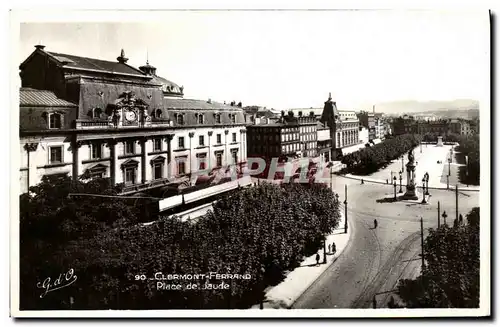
x=331, y=178
x=345, y=210
x=439, y=215
x=422, y=240
x=324, y=251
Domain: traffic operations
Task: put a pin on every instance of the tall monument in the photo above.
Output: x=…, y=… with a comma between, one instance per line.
x=410, y=193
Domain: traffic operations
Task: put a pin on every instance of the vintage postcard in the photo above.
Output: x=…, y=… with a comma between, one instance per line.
x=250, y=163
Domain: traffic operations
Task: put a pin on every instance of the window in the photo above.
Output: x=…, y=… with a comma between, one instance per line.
x=129, y=175
x=218, y=159
x=217, y=118
x=234, y=154
x=55, y=121
x=180, y=119
x=181, y=167
x=219, y=138
x=201, y=140
x=233, y=118
x=56, y=154
x=234, y=137
x=95, y=151
x=157, y=170
x=130, y=147
x=200, y=119
x=96, y=174
x=158, y=113
x=181, y=142
x=157, y=144
x=96, y=113
x=98, y=171
x=202, y=161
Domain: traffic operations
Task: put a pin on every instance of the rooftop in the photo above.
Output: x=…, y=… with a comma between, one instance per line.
x=192, y=104
x=41, y=98
x=78, y=62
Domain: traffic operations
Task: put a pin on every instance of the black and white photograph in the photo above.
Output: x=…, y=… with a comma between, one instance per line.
x=250, y=163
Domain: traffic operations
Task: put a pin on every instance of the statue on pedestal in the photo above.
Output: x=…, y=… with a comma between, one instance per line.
x=410, y=193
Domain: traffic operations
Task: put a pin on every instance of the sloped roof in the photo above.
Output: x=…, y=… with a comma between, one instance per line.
x=307, y=111
x=41, y=98
x=191, y=104
x=72, y=61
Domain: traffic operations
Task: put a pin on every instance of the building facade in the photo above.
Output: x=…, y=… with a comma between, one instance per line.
x=96, y=118
x=343, y=126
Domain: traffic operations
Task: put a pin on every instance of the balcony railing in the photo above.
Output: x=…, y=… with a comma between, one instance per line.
x=92, y=124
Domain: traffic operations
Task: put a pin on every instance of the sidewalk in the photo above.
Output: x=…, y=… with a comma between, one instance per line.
x=436, y=186
x=283, y=295
x=426, y=162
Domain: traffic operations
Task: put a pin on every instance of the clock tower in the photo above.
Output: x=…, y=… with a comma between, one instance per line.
x=130, y=111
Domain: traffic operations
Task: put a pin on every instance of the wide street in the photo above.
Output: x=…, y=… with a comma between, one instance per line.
x=375, y=259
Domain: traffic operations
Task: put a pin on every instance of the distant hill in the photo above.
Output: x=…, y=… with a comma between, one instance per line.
x=442, y=107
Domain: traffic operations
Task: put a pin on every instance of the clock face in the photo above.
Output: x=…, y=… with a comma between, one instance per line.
x=130, y=116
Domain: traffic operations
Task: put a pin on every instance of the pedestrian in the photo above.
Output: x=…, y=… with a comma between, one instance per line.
x=334, y=248
x=317, y=259
x=375, y=223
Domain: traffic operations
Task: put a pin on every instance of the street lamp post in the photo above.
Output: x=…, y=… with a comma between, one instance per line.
x=467, y=170
x=444, y=217
x=402, y=164
x=420, y=146
x=449, y=166
x=423, y=191
x=427, y=183
x=400, y=182
x=263, y=286
x=448, y=182
x=345, y=210
x=395, y=185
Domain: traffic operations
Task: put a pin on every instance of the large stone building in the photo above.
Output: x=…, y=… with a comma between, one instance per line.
x=343, y=125
x=440, y=127
x=288, y=136
x=92, y=117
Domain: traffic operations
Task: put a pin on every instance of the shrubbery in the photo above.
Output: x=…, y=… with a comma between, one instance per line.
x=451, y=275
x=469, y=146
x=369, y=160
x=261, y=231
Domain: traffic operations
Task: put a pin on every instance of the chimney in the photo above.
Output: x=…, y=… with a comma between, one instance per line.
x=39, y=47
x=209, y=101
x=121, y=59
x=373, y=109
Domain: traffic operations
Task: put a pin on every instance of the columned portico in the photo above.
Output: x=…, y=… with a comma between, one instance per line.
x=30, y=147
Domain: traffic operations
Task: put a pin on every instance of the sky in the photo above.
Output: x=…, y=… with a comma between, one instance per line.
x=289, y=59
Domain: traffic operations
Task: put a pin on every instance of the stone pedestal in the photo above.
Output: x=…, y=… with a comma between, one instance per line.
x=440, y=141
x=410, y=193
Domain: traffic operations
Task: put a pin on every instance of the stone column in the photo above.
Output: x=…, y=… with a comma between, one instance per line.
x=75, y=147
x=170, y=164
x=142, y=142
x=243, y=145
x=209, y=155
x=30, y=147
x=225, y=149
x=113, y=155
x=191, y=135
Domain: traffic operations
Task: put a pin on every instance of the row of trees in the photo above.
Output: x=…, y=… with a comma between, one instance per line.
x=261, y=231
x=469, y=146
x=370, y=159
x=447, y=138
x=450, y=277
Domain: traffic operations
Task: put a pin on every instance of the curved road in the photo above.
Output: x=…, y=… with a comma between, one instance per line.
x=371, y=265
